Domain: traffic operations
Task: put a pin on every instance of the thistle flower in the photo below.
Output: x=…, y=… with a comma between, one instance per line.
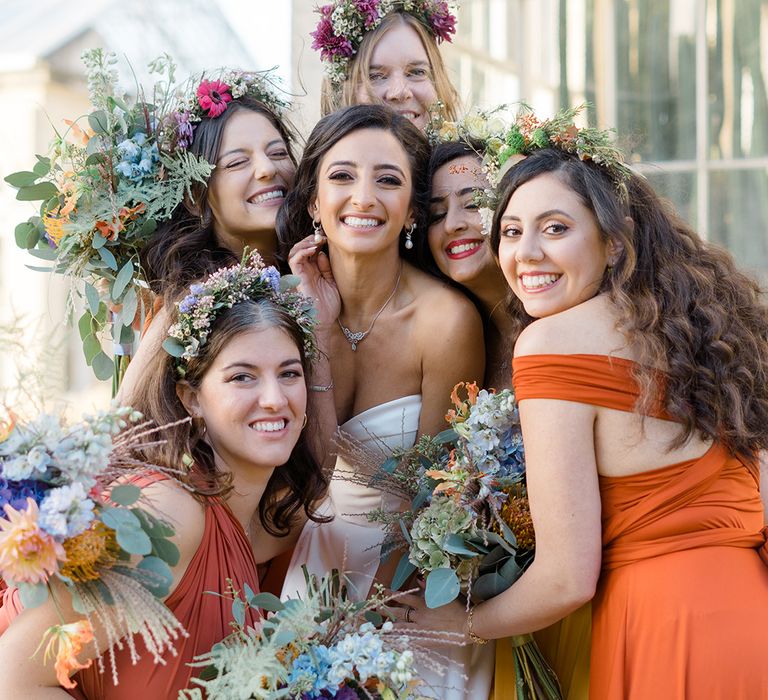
x=65, y=642
x=27, y=554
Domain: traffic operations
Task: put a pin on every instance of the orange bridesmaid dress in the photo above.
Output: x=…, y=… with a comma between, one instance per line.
x=681, y=609
x=224, y=553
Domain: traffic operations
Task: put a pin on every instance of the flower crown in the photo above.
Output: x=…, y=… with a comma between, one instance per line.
x=344, y=23
x=248, y=280
x=525, y=135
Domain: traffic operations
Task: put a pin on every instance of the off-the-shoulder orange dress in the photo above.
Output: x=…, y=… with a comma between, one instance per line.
x=681, y=609
x=224, y=553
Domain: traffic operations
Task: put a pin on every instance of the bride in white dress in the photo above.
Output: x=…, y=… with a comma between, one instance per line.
x=396, y=339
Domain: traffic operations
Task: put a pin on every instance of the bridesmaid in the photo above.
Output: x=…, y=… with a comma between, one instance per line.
x=392, y=59
x=250, y=145
x=459, y=248
x=641, y=368
x=247, y=376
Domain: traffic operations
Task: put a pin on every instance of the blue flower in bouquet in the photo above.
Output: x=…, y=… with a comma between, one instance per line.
x=187, y=303
x=16, y=493
x=310, y=671
x=66, y=511
x=512, y=454
x=138, y=159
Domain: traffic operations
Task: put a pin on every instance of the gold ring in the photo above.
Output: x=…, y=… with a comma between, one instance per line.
x=408, y=612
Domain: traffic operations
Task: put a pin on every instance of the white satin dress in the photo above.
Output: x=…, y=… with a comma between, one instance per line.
x=352, y=544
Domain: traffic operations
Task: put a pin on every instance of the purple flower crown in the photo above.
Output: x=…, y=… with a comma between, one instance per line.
x=228, y=286
x=344, y=23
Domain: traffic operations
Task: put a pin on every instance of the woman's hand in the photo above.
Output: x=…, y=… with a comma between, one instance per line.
x=411, y=610
x=312, y=265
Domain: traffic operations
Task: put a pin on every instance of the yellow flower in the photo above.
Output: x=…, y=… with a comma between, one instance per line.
x=27, y=554
x=448, y=132
x=90, y=551
x=54, y=227
x=65, y=642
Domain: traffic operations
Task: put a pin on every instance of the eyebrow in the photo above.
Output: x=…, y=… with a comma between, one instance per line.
x=248, y=365
x=543, y=215
x=380, y=166
x=459, y=193
x=243, y=150
x=420, y=62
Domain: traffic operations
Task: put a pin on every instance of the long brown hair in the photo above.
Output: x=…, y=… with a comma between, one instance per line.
x=185, y=249
x=294, y=485
x=293, y=220
x=333, y=98
x=682, y=303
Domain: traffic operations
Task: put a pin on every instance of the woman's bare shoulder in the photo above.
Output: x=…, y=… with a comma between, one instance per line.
x=589, y=328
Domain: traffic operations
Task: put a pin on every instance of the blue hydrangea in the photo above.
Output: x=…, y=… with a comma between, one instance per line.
x=312, y=667
x=66, y=511
x=138, y=159
x=15, y=493
x=188, y=303
x=271, y=276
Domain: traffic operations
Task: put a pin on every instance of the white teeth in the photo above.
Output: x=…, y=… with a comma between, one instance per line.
x=454, y=250
x=536, y=281
x=360, y=223
x=268, y=427
x=260, y=199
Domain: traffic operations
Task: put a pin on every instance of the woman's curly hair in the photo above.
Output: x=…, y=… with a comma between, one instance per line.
x=682, y=303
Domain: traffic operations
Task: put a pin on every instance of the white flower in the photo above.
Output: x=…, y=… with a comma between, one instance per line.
x=66, y=511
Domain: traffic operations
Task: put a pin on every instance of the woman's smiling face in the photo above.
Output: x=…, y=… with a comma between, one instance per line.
x=455, y=230
x=364, y=190
x=551, y=250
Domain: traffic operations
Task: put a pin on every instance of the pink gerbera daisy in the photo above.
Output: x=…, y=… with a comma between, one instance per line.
x=27, y=554
x=212, y=96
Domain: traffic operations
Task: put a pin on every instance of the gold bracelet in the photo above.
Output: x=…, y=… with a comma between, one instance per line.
x=472, y=636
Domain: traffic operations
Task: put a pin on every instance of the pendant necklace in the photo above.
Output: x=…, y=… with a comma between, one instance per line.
x=357, y=337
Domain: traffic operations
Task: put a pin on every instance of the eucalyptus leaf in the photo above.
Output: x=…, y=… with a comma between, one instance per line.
x=26, y=235
x=161, y=576
x=153, y=526
x=488, y=586
x=403, y=572
x=443, y=586
x=165, y=550
x=125, y=494
x=173, y=347
x=447, y=435
x=106, y=255
x=98, y=241
x=390, y=465
x=122, y=280
x=119, y=517
x=34, y=193
x=265, y=601
x=127, y=334
x=32, y=594
x=92, y=297
x=91, y=348
x=456, y=544
x=289, y=282
x=498, y=539
x=99, y=122
x=134, y=540
x=511, y=571
x=42, y=167
x=38, y=268
x=373, y=617
x=130, y=302
x=283, y=637
x=24, y=178
x=238, y=611
x=84, y=325
x=103, y=366
x=44, y=253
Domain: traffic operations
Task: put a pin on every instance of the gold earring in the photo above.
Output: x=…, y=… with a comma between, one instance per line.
x=304, y=424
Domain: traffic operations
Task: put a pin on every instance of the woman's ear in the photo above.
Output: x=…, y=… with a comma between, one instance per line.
x=313, y=209
x=188, y=397
x=615, y=247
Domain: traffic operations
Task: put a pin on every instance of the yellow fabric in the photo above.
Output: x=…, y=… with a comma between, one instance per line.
x=565, y=645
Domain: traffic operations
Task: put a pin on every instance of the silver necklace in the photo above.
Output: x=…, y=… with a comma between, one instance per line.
x=355, y=337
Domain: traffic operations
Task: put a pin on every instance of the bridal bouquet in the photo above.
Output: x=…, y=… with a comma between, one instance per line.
x=320, y=646
x=63, y=518
x=469, y=529
x=104, y=185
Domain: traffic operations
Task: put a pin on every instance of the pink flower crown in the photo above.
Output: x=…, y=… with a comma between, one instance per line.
x=344, y=23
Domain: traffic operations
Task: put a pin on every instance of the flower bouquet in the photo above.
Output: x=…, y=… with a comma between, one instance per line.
x=320, y=646
x=104, y=185
x=469, y=529
x=67, y=516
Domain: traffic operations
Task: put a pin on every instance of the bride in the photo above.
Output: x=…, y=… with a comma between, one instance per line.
x=396, y=339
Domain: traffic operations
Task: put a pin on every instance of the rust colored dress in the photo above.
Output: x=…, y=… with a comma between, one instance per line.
x=681, y=609
x=224, y=553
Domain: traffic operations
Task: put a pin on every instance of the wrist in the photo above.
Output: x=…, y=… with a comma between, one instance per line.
x=473, y=637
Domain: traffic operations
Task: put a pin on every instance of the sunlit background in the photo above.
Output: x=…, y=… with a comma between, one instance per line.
x=682, y=81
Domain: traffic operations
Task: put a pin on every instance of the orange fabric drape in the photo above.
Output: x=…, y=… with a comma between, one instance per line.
x=682, y=604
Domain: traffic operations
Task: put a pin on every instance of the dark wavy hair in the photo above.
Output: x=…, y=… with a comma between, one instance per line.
x=185, y=249
x=682, y=304
x=296, y=484
x=293, y=220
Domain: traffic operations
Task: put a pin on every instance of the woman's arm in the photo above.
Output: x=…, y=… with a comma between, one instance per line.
x=24, y=673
